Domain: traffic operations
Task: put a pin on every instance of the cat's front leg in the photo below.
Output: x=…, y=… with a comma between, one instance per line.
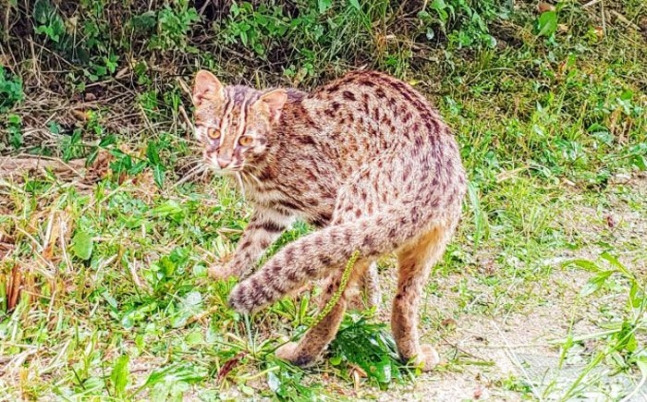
x=264, y=228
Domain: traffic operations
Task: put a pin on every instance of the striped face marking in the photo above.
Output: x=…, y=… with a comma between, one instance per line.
x=233, y=123
x=233, y=129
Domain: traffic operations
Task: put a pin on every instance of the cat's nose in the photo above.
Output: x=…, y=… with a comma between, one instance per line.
x=223, y=161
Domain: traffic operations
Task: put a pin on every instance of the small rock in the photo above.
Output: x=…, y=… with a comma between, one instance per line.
x=611, y=221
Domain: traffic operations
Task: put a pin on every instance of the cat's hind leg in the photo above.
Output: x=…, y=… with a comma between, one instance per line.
x=416, y=260
x=368, y=294
x=315, y=341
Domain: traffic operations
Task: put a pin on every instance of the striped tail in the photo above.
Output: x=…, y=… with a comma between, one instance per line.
x=316, y=255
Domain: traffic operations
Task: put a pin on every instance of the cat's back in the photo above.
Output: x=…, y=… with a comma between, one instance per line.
x=374, y=103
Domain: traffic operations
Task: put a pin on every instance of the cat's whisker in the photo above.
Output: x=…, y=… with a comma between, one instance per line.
x=256, y=179
x=194, y=171
x=240, y=182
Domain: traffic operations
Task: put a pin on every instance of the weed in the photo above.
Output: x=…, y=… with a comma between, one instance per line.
x=14, y=131
x=10, y=91
x=49, y=21
x=369, y=347
x=173, y=25
x=622, y=348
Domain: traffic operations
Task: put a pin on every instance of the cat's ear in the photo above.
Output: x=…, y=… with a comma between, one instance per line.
x=272, y=103
x=207, y=87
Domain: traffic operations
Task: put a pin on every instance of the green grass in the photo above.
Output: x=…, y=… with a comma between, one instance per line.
x=115, y=302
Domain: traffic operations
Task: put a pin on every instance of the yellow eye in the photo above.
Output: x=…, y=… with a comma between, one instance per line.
x=245, y=141
x=213, y=133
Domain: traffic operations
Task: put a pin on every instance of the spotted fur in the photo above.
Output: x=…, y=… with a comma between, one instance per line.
x=367, y=160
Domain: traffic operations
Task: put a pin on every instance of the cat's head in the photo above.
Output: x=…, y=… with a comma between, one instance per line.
x=233, y=123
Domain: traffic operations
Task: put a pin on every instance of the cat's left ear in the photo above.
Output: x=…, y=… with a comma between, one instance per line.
x=207, y=87
x=272, y=103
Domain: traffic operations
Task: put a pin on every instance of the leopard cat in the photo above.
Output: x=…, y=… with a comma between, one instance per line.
x=367, y=160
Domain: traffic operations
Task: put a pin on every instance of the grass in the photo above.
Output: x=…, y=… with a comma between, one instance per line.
x=104, y=291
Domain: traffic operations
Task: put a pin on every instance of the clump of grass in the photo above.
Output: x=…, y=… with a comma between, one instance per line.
x=10, y=90
x=621, y=345
x=369, y=347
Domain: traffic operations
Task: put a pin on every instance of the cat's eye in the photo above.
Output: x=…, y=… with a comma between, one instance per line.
x=213, y=133
x=245, y=141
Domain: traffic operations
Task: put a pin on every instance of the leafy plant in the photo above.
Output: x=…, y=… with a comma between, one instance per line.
x=14, y=129
x=257, y=28
x=623, y=346
x=173, y=24
x=49, y=21
x=10, y=91
x=82, y=245
x=370, y=347
x=464, y=22
x=547, y=23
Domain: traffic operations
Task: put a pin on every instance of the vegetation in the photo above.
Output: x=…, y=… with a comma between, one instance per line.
x=103, y=285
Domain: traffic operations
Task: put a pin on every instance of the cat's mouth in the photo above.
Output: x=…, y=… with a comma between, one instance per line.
x=221, y=165
x=230, y=169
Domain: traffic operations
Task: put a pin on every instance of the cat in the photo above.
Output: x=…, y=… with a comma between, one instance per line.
x=367, y=160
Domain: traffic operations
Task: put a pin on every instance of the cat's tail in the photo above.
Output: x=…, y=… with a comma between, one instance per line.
x=316, y=255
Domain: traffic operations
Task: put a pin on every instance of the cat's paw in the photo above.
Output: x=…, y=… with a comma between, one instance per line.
x=290, y=352
x=219, y=272
x=428, y=359
x=240, y=299
x=287, y=352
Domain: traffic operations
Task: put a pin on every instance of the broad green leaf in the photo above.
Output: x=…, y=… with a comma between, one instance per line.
x=152, y=153
x=595, y=283
x=158, y=175
x=585, y=264
x=324, y=5
x=613, y=260
x=245, y=389
x=355, y=4
x=335, y=360
x=170, y=208
x=194, y=338
x=441, y=9
x=547, y=23
x=82, y=245
x=640, y=162
x=120, y=374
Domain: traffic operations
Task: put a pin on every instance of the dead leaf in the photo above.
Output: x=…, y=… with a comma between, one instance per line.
x=448, y=322
x=99, y=168
x=7, y=244
x=122, y=73
x=229, y=365
x=357, y=373
x=80, y=115
x=543, y=7
x=14, y=286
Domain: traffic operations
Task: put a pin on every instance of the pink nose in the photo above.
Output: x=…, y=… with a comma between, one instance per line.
x=223, y=161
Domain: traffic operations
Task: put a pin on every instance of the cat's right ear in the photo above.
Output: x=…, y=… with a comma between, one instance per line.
x=206, y=87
